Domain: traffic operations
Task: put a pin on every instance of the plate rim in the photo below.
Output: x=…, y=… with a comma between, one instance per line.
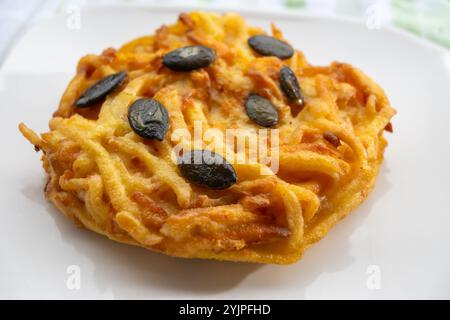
x=270, y=14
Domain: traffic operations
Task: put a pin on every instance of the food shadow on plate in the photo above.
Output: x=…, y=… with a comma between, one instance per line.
x=133, y=265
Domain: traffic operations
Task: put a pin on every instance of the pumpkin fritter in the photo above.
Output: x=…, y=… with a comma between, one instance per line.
x=109, y=151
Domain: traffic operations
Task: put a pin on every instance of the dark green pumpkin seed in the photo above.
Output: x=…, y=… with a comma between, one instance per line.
x=290, y=86
x=189, y=58
x=261, y=111
x=270, y=46
x=149, y=119
x=207, y=168
x=99, y=90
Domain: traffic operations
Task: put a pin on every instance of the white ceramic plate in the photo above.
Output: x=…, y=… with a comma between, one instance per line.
x=396, y=245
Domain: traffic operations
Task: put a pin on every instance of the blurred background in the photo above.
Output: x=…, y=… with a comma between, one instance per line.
x=427, y=19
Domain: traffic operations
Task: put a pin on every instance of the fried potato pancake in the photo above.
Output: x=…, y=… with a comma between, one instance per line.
x=109, y=179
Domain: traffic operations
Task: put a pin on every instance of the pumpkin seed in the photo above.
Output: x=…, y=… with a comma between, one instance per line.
x=290, y=86
x=99, y=90
x=261, y=111
x=270, y=46
x=207, y=168
x=189, y=58
x=149, y=119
